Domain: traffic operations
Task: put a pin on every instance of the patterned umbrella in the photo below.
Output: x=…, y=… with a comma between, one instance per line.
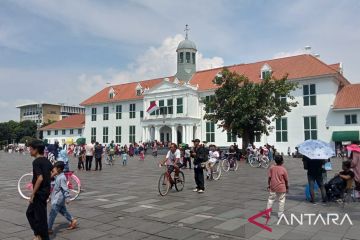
x=316, y=149
x=353, y=148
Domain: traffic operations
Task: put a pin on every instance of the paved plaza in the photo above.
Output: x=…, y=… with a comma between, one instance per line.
x=123, y=203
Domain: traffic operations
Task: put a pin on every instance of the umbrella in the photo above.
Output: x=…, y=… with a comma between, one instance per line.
x=353, y=148
x=316, y=149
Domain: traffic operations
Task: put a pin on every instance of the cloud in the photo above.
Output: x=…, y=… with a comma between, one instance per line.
x=155, y=62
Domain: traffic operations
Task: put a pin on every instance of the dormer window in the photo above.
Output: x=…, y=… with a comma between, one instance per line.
x=139, y=90
x=111, y=93
x=265, y=71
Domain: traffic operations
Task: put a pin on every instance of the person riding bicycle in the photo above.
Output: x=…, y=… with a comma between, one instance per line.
x=213, y=157
x=173, y=160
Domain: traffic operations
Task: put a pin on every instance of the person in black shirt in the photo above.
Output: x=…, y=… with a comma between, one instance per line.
x=346, y=175
x=37, y=212
x=200, y=155
x=315, y=174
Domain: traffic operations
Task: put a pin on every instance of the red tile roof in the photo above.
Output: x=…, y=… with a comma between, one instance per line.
x=301, y=66
x=348, y=97
x=335, y=66
x=73, y=121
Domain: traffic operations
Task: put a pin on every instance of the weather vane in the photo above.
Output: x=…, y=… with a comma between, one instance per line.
x=187, y=29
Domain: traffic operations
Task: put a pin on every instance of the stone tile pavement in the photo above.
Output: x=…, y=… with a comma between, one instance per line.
x=123, y=203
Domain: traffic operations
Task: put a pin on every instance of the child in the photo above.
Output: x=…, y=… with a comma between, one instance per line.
x=278, y=184
x=213, y=157
x=81, y=158
x=59, y=196
x=124, y=157
x=64, y=157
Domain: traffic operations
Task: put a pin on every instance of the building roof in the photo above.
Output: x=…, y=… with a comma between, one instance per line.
x=73, y=121
x=186, y=44
x=296, y=67
x=42, y=103
x=348, y=97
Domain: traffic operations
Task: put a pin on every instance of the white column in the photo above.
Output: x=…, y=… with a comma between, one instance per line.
x=183, y=134
x=157, y=133
x=191, y=133
x=148, y=134
x=173, y=134
x=188, y=137
x=143, y=137
x=185, y=105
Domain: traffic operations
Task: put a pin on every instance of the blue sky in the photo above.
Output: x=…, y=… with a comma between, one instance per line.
x=66, y=50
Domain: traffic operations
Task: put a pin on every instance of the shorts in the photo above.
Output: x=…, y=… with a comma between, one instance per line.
x=171, y=168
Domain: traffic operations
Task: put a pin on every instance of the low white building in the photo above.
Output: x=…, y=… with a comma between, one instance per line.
x=119, y=112
x=67, y=130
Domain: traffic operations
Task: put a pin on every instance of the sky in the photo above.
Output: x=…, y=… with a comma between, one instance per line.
x=64, y=51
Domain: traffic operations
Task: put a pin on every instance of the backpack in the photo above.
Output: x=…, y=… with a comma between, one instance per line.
x=202, y=154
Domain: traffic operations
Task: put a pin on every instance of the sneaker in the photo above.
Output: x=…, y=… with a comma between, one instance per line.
x=201, y=191
x=195, y=190
x=72, y=225
x=313, y=202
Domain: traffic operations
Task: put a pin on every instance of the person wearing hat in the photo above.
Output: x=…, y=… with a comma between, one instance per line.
x=200, y=155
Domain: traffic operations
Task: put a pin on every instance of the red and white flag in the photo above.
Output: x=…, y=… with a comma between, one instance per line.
x=152, y=108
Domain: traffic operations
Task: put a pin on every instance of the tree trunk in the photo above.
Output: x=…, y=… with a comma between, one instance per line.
x=245, y=140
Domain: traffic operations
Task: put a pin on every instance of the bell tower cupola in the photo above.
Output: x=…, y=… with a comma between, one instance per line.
x=186, y=57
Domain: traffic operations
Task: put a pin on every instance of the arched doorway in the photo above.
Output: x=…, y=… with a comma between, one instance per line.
x=165, y=134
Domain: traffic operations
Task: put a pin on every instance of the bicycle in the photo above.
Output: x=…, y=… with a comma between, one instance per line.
x=25, y=186
x=229, y=162
x=166, y=181
x=258, y=161
x=216, y=172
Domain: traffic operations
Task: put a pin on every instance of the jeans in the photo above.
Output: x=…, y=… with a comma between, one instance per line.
x=55, y=209
x=280, y=197
x=98, y=163
x=37, y=215
x=88, y=162
x=199, y=176
x=320, y=182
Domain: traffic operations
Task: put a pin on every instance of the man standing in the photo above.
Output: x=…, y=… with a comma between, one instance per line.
x=37, y=212
x=89, y=151
x=315, y=174
x=200, y=155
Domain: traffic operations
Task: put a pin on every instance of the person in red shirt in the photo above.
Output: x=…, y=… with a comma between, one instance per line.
x=278, y=184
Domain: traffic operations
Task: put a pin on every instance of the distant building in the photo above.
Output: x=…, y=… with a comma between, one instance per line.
x=46, y=112
x=67, y=130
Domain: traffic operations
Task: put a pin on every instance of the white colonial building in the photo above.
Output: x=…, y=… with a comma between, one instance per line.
x=326, y=110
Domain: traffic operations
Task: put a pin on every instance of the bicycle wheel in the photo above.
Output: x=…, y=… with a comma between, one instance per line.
x=180, y=182
x=74, y=185
x=216, y=171
x=236, y=165
x=25, y=186
x=225, y=165
x=163, y=184
x=254, y=162
x=265, y=162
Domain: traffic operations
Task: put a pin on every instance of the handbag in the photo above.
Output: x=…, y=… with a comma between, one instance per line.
x=328, y=166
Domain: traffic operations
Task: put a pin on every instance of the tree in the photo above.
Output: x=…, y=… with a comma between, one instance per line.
x=13, y=131
x=246, y=108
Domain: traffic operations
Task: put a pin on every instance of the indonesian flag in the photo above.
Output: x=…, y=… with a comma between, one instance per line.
x=152, y=108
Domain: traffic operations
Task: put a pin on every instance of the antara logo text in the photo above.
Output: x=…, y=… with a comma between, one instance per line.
x=310, y=219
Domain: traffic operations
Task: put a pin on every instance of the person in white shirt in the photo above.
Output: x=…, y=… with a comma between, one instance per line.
x=173, y=160
x=213, y=157
x=89, y=152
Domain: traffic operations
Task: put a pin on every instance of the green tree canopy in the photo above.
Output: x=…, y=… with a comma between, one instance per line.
x=246, y=108
x=14, y=131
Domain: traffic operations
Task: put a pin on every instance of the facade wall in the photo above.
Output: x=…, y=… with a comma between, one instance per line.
x=125, y=122
x=51, y=113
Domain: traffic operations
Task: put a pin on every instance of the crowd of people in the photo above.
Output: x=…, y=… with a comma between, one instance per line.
x=47, y=176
